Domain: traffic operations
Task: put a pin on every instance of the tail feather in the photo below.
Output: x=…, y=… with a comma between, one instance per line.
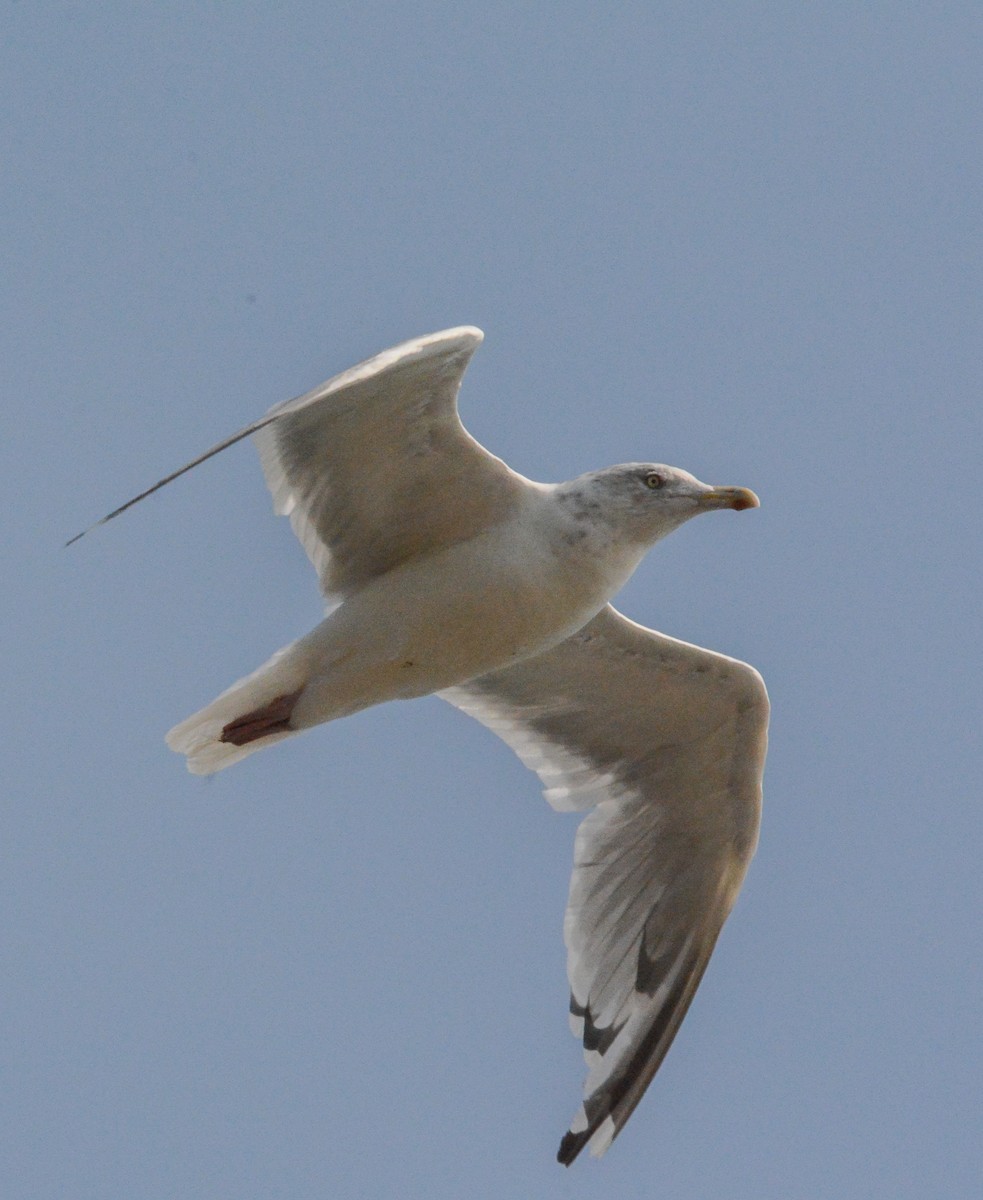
x=205, y=738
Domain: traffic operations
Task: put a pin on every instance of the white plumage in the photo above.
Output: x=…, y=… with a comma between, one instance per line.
x=448, y=572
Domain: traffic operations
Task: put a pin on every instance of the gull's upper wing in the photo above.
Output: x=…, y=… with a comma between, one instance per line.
x=374, y=467
x=666, y=742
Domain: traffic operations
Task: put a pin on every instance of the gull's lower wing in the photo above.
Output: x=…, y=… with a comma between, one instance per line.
x=666, y=742
x=374, y=466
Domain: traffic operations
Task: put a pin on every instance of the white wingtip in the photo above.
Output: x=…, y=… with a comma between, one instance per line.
x=460, y=337
x=602, y=1139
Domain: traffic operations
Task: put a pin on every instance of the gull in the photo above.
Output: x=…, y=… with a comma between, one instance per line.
x=447, y=572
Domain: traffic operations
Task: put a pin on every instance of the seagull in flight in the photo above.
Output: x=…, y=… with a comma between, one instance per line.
x=447, y=572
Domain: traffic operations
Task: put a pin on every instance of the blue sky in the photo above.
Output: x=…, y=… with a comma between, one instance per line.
x=740, y=238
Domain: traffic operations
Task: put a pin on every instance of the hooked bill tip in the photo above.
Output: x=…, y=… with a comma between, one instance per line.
x=737, y=498
x=745, y=498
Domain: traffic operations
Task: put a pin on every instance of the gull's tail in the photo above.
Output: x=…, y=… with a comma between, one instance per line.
x=252, y=714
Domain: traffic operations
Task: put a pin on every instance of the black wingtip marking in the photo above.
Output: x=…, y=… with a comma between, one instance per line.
x=596, y=1037
x=614, y=1100
x=599, y=1037
x=571, y=1146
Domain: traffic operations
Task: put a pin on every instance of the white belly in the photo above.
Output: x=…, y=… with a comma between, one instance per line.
x=438, y=622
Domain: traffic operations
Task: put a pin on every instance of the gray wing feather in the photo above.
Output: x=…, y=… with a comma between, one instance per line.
x=666, y=743
x=375, y=467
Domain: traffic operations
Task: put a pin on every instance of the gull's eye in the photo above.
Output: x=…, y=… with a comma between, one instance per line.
x=654, y=480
